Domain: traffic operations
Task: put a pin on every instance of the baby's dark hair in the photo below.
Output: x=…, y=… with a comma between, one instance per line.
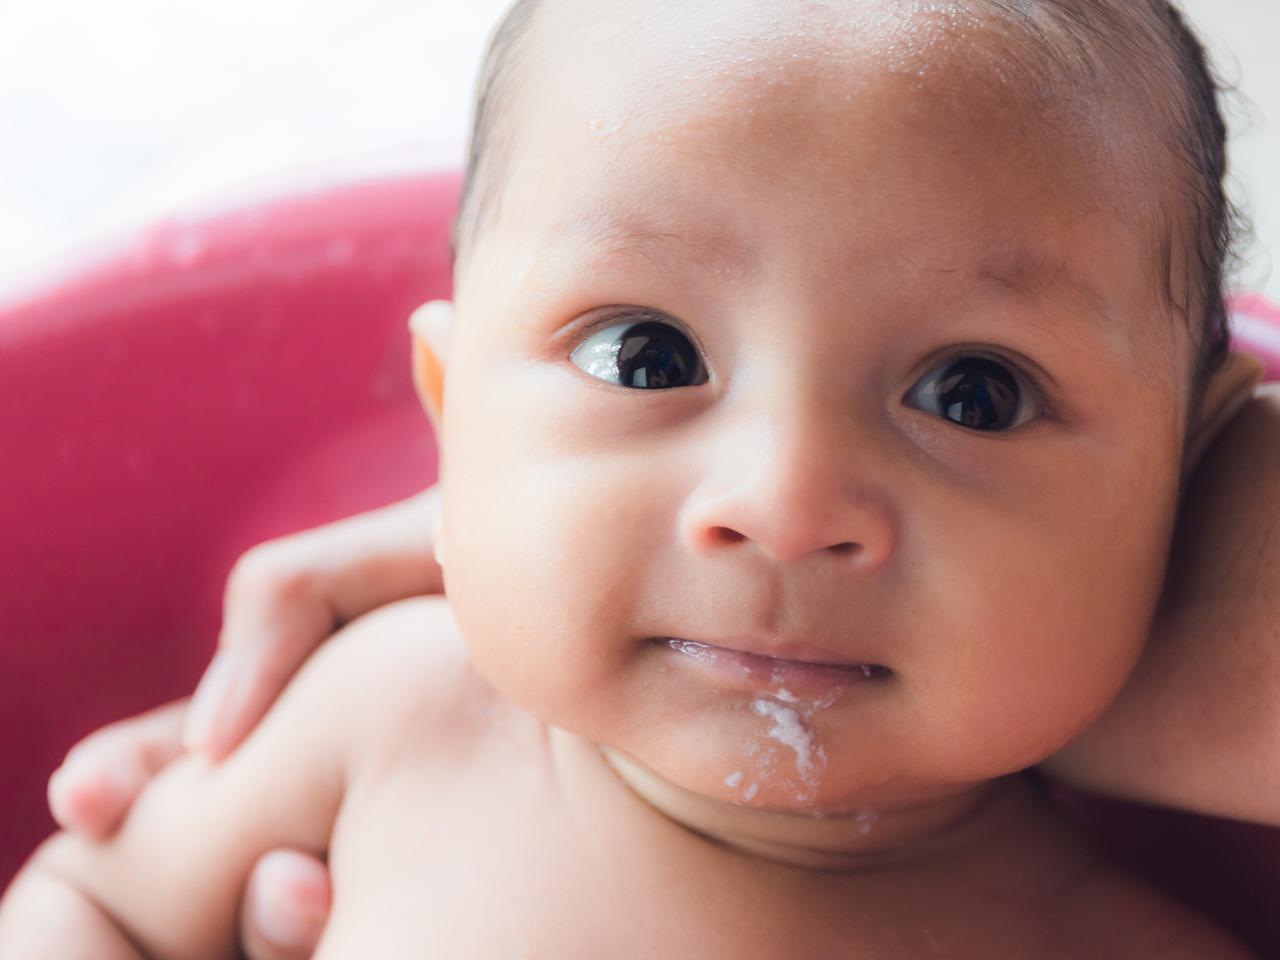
x=1150, y=47
x=1072, y=40
x=490, y=150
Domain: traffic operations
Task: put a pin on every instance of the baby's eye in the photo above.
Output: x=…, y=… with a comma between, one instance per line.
x=975, y=392
x=645, y=354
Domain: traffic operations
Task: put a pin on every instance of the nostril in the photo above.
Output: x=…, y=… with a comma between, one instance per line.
x=725, y=535
x=729, y=535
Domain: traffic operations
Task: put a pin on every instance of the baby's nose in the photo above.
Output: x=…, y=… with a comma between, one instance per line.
x=792, y=490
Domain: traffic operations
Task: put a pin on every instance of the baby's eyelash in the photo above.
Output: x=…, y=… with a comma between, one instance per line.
x=611, y=316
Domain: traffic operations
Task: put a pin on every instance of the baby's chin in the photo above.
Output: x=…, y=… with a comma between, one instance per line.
x=814, y=754
x=759, y=754
x=673, y=783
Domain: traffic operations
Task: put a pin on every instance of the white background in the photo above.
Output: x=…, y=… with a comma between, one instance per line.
x=114, y=112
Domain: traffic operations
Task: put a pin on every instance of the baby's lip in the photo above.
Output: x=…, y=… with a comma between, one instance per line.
x=787, y=650
x=816, y=673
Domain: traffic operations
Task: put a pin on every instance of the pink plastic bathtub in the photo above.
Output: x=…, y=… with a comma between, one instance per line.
x=219, y=380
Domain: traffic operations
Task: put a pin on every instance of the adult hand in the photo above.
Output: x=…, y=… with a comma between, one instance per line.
x=286, y=596
x=286, y=901
x=283, y=599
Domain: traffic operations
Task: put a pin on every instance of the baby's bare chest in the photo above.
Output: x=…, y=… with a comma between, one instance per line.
x=493, y=864
x=491, y=860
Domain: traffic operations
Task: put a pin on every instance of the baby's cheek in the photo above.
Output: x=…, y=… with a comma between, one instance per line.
x=1034, y=623
x=537, y=569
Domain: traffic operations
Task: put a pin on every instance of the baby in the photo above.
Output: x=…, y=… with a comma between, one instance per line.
x=824, y=381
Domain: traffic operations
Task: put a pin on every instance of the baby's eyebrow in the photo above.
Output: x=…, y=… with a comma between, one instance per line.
x=1036, y=274
x=602, y=235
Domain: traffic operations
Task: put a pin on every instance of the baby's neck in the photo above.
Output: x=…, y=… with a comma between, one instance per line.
x=859, y=840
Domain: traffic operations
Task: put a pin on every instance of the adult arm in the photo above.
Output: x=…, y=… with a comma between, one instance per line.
x=286, y=901
x=283, y=599
x=1198, y=725
x=169, y=881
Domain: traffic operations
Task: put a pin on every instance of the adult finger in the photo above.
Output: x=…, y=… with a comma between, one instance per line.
x=101, y=775
x=285, y=907
x=285, y=597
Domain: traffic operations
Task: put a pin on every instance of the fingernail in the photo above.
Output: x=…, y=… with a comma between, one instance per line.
x=89, y=778
x=285, y=927
x=210, y=700
x=59, y=795
x=85, y=765
x=289, y=905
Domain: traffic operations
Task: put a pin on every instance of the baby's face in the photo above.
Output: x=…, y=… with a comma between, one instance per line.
x=819, y=347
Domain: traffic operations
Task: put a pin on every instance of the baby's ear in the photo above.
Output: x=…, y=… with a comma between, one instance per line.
x=1228, y=389
x=431, y=326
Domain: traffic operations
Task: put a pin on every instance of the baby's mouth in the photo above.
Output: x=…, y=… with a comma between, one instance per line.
x=782, y=677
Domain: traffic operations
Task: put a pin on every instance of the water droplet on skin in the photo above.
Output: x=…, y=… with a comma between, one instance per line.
x=733, y=779
x=601, y=129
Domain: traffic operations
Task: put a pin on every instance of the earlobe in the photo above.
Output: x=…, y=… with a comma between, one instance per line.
x=431, y=326
x=1228, y=389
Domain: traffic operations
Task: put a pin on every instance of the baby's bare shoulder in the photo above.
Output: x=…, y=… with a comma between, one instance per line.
x=408, y=680
x=417, y=633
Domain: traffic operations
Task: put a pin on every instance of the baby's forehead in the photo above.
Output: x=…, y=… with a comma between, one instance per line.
x=656, y=79
x=657, y=63
x=665, y=110
x=669, y=43
x=671, y=51
x=711, y=30
x=950, y=177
